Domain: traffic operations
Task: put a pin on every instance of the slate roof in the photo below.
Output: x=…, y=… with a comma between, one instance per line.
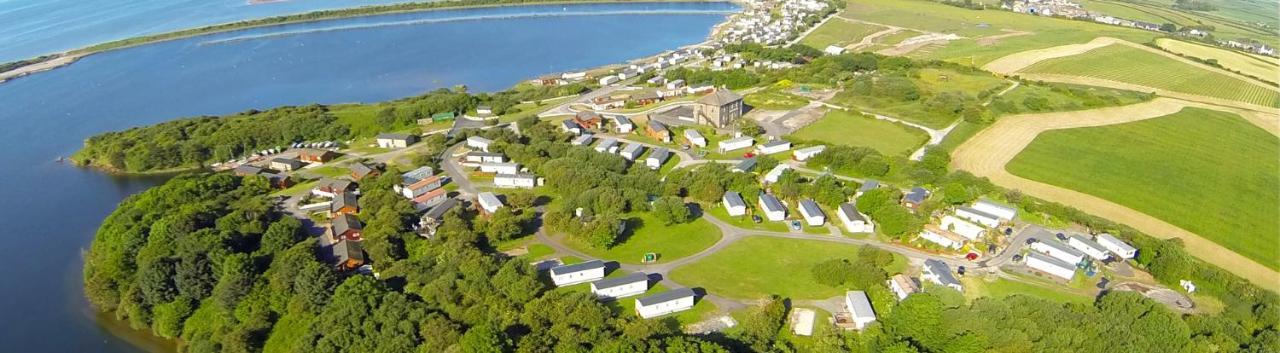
x=245, y=169
x=578, y=267
x=771, y=203
x=746, y=165
x=417, y=175
x=940, y=269
x=344, y=200
x=620, y=281
x=810, y=208
x=917, y=195
x=666, y=296
x=868, y=185
x=721, y=97
x=438, y=212
x=361, y=170
x=348, y=250
x=661, y=154
x=1051, y=260
x=734, y=199
x=345, y=222
x=851, y=212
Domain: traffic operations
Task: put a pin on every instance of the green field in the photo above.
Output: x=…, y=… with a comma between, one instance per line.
x=773, y=99
x=930, y=82
x=846, y=128
x=1231, y=60
x=1208, y=172
x=1131, y=65
x=976, y=287
x=1056, y=97
x=646, y=234
x=759, y=266
x=838, y=32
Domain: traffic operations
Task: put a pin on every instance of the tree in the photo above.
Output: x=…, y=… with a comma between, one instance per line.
x=873, y=165
x=483, y=339
x=504, y=225
x=956, y=193
x=671, y=210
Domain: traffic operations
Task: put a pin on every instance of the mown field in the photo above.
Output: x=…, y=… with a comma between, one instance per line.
x=838, y=32
x=646, y=234
x=1246, y=64
x=845, y=128
x=1131, y=65
x=759, y=266
x=1208, y=172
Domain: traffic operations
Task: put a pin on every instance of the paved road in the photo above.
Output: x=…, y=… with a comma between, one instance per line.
x=449, y=162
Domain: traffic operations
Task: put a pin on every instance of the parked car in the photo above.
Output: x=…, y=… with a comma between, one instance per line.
x=795, y=225
x=960, y=270
x=1017, y=258
x=1062, y=237
x=1032, y=241
x=755, y=218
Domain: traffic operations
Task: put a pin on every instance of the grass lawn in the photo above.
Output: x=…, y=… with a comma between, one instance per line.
x=745, y=221
x=848, y=128
x=359, y=117
x=772, y=99
x=1230, y=60
x=759, y=266
x=1209, y=172
x=1126, y=64
x=975, y=287
x=331, y=171
x=838, y=32
x=647, y=234
x=297, y=189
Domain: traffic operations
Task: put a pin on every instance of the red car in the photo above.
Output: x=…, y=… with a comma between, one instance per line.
x=749, y=155
x=972, y=256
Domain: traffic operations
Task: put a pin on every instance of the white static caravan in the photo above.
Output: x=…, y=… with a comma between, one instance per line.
x=1058, y=250
x=657, y=157
x=942, y=237
x=1004, y=213
x=671, y=301
x=621, y=287
x=967, y=230
x=773, y=209
x=733, y=204
x=569, y=126
x=607, y=145
x=632, y=151
x=736, y=143
x=902, y=286
x=1088, y=247
x=479, y=143
x=484, y=157
x=939, y=273
x=695, y=138
x=577, y=273
x=489, y=203
x=1116, y=246
x=621, y=124
x=774, y=174
x=1051, y=265
x=813, y=214
x=804, y=154
x=583, y=140
x=500, y=168
x=859, y=308
x=853, y=220
x=775, y=146
x=979, y=217
x=523, y=181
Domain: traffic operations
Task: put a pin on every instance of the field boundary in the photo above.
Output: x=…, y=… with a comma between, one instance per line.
x=987, y=153
x=1100, y=82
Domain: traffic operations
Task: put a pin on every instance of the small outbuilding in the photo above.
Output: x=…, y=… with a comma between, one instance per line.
x=657, y=157
x=695, y=138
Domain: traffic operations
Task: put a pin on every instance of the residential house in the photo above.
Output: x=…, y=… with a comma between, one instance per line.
x=500, y=168
x=332, y=187
x=813, y=214
x=1051, y=265
x=479, y=143
x=345, y=227
x=939, y=273
x=775, y=146
x=621, y=287
x=853, y=220
x=736, y=143
x=349, y=254
x=396, y=140
x=577, y=273
x=733, y=204
x=521, y=180
x=658, y=131
x=286, y=164
x=776, y=173
x=720, y=108
x=965, y=229
x=489, y=203
x=745, y=165
x=1004, y=213
x=942, y=237
x=915, y=197
x=607, y=145
x=668, y=302
x=859, y=308
x=1116, y=246
x=902, y=286
x=569, y=126
x=485, y=157
x=583, y=140
x=632, y=151
x=773, y=209
x=246, y=170
x=804, y=154
x=986, y=219
x=360, y=171
x=657, y=157
x=311, y=155
x=1088, y=247
x=695, y=138
x=1058, y=250
x=622, y=124
x=346, y=203
x=589, y=120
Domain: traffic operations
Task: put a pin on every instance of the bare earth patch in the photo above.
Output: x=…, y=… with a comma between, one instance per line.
x=993, y=39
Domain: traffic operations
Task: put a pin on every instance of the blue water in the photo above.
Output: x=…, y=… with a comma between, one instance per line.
x=52, y=210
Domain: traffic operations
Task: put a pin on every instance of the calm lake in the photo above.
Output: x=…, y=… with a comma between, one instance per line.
x=53, y=209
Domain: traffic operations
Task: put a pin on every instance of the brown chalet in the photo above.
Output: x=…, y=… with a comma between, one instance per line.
x=346, y=227
x=317, y=156
x=347, y=203
x=657, y=130
x=335, y=186
x=361, y=170
x=589, y=120
x=350, y=255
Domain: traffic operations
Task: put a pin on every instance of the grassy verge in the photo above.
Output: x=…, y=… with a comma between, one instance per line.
x=848, y=128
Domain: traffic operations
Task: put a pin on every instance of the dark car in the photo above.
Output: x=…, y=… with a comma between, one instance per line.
x=960, y=270
x=1062, y=237
x=1008, y=231
x=1032, y=241
x=755, y=218
x=1017, y=258
x=795, y=225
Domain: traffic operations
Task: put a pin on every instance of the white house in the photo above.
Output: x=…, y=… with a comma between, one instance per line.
x=1058, y=250
x=577, y=273
x=979, y=217
x=774, y=174
x=390, y=140
x=632, y=151
x=583, y=140
x=941, y=237
x=500, y=168
x=773, y=209
x=607, y=145
x=671, y=301
x=812, y=213
x=775, y=146
x=609, y=80
x=569, y=126
x=479, y=143
x=902, y=286
x=804, y=154
x=621, y=124
x=1004, y=213
x=485, y=157
x=939, y=273
x=1088, y=247
x=695, y=138
x=524, y=181
x=657, y=157
x=1116, y=246
x=489, y=203
x=1050, y=265
x=833, y=50
x=733, y=204
x=967, y=230
x=854, y=221
x=859, y=308
x=621, y=287
x=736, y=143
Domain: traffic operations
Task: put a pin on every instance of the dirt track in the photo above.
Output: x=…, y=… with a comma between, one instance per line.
x=1017, y=61
x=987, y=153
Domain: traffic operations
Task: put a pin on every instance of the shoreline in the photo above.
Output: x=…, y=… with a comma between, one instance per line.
x=62, y=59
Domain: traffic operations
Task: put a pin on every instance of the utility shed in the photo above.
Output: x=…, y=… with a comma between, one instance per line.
x=671, y=301
x=577, y=273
